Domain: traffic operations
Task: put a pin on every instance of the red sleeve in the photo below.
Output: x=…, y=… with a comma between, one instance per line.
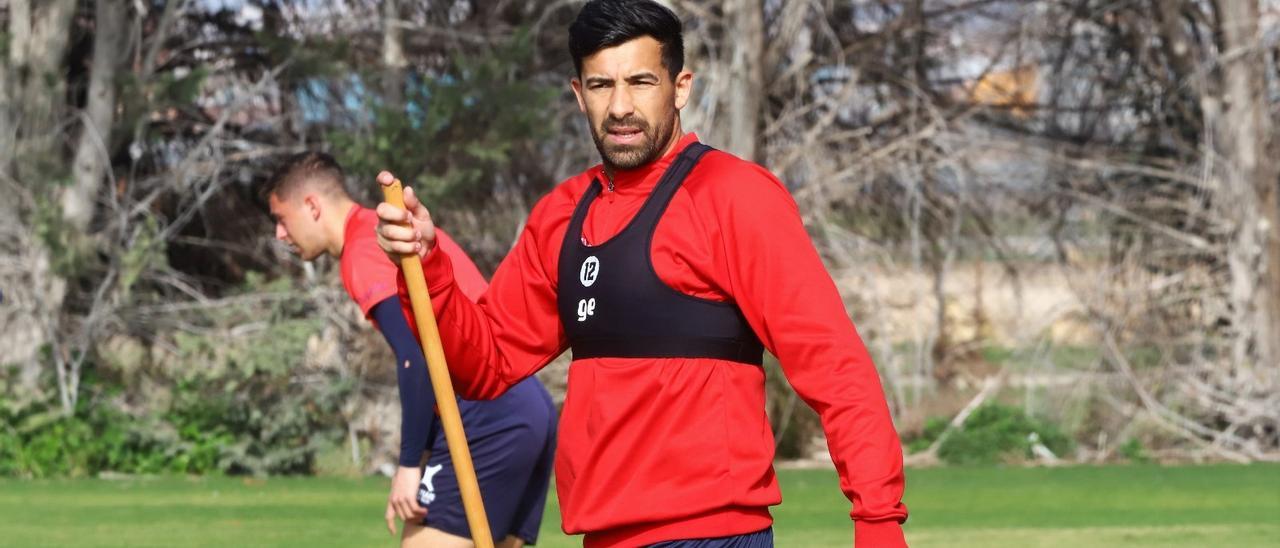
x=515, y=328
x=784, y=291
x=367, y=274
x=465, y=272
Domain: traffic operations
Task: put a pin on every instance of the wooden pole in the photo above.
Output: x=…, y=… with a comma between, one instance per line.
x=438, y=369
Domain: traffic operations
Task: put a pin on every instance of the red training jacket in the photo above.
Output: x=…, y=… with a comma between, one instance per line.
x=663, y=449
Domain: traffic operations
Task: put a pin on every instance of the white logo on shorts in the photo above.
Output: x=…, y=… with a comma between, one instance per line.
x=590, y=269
x=428, y=474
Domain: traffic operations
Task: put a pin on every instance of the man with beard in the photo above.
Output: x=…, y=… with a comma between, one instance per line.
x=667, y=270
x=511, y=437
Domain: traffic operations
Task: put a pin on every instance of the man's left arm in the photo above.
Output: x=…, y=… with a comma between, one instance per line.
x=786, y=294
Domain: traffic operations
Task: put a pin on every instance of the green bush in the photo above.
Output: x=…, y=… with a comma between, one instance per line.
x=1134, y=451
x=996, y=432
x=993, y=433
x=232, y=396
x=932, y=429
x=239, y=407
x=37, y=440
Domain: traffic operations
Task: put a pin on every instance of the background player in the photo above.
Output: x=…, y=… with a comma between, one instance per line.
x=511, y=437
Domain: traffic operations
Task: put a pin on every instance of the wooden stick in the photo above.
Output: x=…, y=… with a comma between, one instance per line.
x=438, y=369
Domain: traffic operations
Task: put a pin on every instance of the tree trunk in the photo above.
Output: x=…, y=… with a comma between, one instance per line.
x=93, y=149
x=1248, y=186
x=393, y=59
x=34, y=89
x=8, y=134
x=740, y=124
x=38, y=34
x=34, y=97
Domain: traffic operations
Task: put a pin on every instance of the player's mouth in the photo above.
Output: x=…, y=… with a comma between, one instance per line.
x=625, y=135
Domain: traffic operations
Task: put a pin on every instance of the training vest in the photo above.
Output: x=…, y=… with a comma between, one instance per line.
x=613, y=305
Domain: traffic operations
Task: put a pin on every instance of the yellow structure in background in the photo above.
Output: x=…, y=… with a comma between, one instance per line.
x=1015, y=89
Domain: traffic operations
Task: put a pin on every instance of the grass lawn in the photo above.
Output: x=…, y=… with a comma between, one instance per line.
x=1108, y=506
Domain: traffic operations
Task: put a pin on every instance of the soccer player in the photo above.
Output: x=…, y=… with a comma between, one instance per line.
x=511, y=438
x=667, y=270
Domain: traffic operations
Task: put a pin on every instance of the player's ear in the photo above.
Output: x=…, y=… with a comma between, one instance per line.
x=576, y=84
x=684, y=86
x=313, y=206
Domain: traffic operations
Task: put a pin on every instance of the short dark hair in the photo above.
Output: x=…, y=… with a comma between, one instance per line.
x=606, y=23
x=313, y=168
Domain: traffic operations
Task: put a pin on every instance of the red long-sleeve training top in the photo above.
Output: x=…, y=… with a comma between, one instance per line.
x=659, y=449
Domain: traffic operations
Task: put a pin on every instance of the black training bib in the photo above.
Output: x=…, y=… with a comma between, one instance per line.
x=613, y=305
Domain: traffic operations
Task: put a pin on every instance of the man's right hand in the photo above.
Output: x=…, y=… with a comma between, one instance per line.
x=402, y=232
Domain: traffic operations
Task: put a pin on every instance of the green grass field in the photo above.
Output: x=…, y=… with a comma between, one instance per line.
x=1084, y=506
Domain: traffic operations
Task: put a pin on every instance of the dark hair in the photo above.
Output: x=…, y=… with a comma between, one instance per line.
x=309, y=168
x=606, y=23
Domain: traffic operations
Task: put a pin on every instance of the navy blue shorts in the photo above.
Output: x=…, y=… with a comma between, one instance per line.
x=758, y=539
x=513, y=465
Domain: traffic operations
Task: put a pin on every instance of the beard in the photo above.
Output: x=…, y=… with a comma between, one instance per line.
x=630, y=156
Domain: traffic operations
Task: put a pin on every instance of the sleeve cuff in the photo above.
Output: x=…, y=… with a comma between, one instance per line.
x=407, y=461
x=877, y=534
